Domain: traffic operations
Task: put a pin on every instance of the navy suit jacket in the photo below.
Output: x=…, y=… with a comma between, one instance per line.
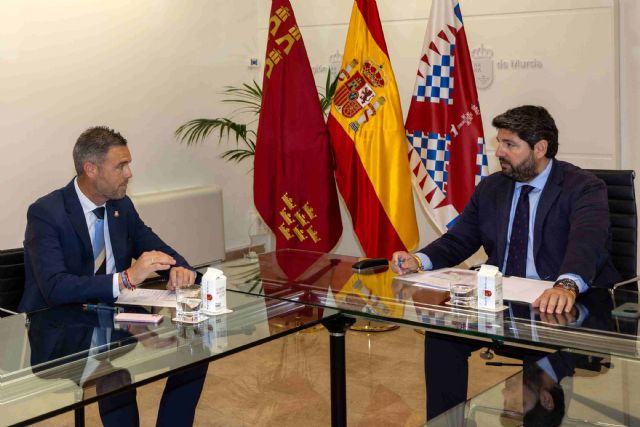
x=571, y=231
x=58, y=257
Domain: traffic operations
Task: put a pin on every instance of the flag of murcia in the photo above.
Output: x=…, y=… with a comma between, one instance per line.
x=294, y=187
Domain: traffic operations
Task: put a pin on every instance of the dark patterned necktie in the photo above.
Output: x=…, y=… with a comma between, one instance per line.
x=517, y=259
x=99, y=249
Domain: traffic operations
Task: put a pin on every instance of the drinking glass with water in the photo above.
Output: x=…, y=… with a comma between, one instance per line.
x=462, y=294
x=188, y=303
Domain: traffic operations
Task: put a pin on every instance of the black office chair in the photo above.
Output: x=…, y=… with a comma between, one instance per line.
x=624, y=221
x=11, y=280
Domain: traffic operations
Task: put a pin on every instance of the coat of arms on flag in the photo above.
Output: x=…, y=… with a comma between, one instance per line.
x=444, y=127
x=358, y=96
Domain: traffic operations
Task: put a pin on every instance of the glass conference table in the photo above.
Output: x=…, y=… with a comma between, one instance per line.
x=51, y=361
x=601, y=351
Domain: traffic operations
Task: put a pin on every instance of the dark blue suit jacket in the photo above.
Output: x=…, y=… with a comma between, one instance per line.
x=58, y=256
x=571, y=232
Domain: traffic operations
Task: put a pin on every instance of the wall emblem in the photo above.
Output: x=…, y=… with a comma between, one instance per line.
x=482, y=59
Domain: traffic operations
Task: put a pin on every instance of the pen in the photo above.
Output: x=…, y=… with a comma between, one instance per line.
x=101, y=307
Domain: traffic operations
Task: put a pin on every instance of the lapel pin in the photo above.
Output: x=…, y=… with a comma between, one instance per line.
x=116, y=214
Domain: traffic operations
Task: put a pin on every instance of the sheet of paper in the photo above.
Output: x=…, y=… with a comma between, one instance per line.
x=440, y=279
x=513, y=288
x=148, y=297
x=525, y=290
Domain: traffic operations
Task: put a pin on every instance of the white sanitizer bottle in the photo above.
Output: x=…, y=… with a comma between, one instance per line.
x=214, y=291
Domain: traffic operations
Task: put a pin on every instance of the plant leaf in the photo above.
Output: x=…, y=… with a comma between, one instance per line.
x=197, y=131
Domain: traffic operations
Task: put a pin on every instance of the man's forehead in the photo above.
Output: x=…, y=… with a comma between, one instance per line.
x=119, y=153
x=506, y=134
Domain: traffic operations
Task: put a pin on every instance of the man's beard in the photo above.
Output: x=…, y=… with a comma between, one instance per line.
x=523, y=172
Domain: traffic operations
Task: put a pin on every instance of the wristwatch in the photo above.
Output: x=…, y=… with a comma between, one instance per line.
x=569, y=285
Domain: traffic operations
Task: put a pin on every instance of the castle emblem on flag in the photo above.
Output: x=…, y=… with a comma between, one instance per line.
x=356, y=93
x=297, y=222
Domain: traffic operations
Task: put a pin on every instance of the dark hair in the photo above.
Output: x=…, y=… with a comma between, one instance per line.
x=538, y=416
x=93, y=144
x=531, y=123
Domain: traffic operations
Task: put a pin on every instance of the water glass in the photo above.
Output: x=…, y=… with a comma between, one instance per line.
x=188, y=303
x=462, y=294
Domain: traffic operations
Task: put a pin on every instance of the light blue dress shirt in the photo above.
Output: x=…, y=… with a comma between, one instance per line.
x=87, y=207
x=538, y=184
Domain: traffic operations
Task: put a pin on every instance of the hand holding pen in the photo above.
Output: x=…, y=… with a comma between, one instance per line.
x=403, y=263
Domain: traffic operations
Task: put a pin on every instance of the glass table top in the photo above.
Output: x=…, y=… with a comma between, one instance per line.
x=327, y=281
x=51, y=360
x=560, y=389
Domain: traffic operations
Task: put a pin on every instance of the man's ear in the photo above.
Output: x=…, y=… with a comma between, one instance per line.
x=546, y=400
x=540, y=148
x=90, y=169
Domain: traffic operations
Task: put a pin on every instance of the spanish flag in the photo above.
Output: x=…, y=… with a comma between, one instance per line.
x=368, y=139
x=293, y=187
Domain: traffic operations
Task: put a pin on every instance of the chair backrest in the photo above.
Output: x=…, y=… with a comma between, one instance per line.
x=11, y=278
x=624, y=219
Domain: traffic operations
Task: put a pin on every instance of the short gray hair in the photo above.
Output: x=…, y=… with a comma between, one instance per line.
x=93, y=144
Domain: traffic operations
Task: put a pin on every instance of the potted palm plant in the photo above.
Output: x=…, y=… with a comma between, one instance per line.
x=248, y=98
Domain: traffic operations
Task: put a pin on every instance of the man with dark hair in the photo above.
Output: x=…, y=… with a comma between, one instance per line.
x=79, y=245
x=539, y=218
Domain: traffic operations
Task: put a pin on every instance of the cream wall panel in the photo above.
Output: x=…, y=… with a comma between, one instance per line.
x=578, y=86
x=143, y=68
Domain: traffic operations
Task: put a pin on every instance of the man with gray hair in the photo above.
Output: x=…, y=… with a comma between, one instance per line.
x=80, y=239
x=78, y=248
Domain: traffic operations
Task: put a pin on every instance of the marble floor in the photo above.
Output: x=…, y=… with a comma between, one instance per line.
x=286, y=383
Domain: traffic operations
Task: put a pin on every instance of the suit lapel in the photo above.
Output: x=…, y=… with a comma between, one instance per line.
x=503, y=207
x=77, y=218
x=550, y=193
x=117, y=233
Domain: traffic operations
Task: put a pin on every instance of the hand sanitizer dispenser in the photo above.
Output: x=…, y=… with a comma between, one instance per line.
x=489, y=288
x=214, y=291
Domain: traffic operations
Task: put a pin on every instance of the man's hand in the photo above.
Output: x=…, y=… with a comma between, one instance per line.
x=403, y=263
x=555, y=300
x=180, y=277
x=147, y=263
